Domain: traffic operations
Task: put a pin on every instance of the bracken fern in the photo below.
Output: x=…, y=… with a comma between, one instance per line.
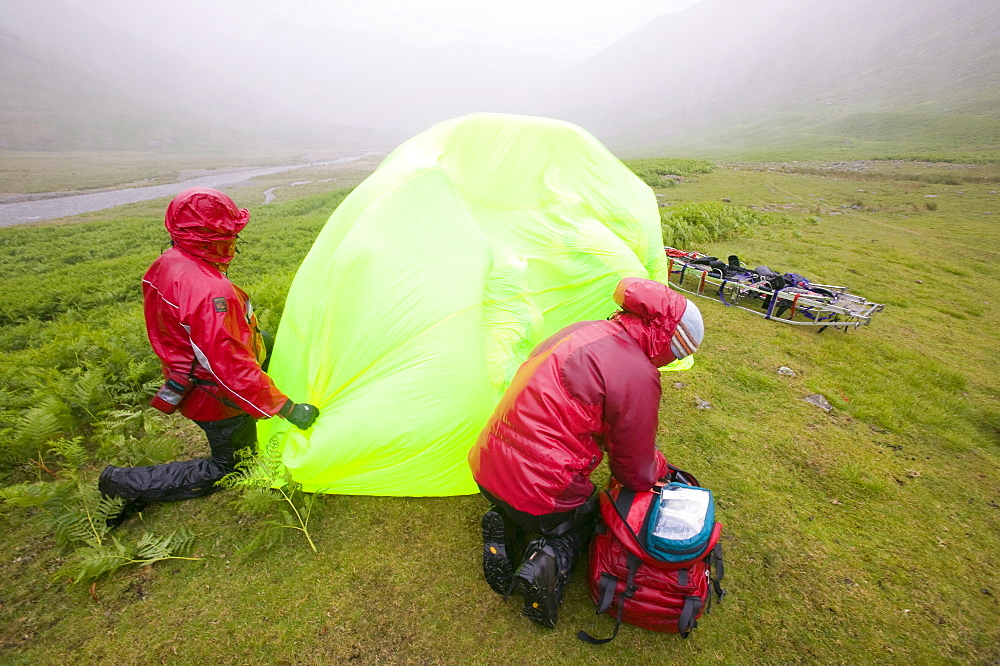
x=78, y=516
x=262, y=481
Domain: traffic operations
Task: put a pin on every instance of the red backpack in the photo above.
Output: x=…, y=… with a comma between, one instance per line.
x=630, y=584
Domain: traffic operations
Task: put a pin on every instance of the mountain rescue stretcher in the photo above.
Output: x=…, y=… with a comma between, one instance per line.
x=789, y=298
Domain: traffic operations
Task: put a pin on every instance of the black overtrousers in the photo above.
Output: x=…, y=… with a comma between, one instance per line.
x=569, y=531
x=580, y=519
x=184, y=479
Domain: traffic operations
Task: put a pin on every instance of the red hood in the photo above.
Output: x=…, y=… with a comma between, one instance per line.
x=651, y=312
x=204, y=223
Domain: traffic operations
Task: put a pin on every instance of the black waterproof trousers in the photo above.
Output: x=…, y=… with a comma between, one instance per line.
x=571, y=530
x=581, y=519
x=187, y=478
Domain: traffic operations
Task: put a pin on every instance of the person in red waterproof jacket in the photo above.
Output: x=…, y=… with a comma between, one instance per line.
x=591, y=388
x=203, y=329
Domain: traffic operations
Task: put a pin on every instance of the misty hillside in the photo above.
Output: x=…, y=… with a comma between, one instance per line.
x=723, y=75
x=738, y=72
x=54, y=105
x=66, y=73
x=110, y=92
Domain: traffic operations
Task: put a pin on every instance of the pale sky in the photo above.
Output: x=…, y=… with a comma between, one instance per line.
x=358, y=63
x=569, y=29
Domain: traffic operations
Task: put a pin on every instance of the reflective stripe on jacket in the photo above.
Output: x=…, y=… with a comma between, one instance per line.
x=196, y=317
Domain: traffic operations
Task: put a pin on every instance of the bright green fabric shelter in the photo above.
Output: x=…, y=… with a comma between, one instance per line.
x=432, y=282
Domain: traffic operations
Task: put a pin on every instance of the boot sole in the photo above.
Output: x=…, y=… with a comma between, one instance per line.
x=497, y=568
x=540, y=603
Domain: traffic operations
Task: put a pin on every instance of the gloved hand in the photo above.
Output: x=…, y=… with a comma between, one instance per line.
x=301, y=415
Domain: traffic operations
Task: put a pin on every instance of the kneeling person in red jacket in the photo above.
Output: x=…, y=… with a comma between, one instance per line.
x=591, y=388
x=203, y=329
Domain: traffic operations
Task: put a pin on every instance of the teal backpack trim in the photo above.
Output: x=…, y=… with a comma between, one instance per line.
x=678, y=550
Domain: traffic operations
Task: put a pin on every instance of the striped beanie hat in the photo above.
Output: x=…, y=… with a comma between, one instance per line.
x=689, y=332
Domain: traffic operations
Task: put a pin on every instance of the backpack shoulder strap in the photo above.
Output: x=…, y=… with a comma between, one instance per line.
x=686, y=622
x=608, y=585
x=623, y=503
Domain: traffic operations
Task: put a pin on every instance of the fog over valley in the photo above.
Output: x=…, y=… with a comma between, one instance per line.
x=687, y=76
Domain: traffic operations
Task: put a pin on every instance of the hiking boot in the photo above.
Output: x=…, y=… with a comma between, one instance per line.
x=130, y=508
x=537, y=580
x=566, y=549
x=497, y=568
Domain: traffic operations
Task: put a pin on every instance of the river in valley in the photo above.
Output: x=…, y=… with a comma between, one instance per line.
x=22, y=212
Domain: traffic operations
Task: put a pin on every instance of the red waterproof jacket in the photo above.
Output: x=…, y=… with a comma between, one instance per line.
x=592, y=387
x=198, y=321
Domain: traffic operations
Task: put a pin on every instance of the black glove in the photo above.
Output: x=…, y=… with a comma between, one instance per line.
x=300, y=415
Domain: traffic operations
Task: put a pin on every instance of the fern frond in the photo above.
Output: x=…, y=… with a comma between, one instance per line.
x=181, y=541
x=90, y=563
x=268, y=535
x=151, y=547
x=107, y=507
x=254, y=501
x=124, y=415
x=71, y=451
x=72, y=527
x=88, y=392
x=120, y=422
x=31, y=494
x=49, y=418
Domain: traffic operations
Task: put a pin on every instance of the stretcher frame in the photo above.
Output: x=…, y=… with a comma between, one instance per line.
x=841, y=309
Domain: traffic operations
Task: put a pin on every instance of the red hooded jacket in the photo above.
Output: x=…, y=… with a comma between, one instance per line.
x=198, y=321
x=592, y=387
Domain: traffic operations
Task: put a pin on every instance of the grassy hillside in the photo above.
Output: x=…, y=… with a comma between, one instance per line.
x=724, y=76
x=868, y=534
x=832, y=134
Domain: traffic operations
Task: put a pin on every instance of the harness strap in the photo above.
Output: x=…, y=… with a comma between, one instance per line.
x=630, y=589
x=686, y=622
x=633, y=566
x=720, y=571
x=794, y=303
x=722, y=295
x=774, y=301
x=623, y=503
x=606, y=585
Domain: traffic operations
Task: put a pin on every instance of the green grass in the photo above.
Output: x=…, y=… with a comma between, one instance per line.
x=868, y=534
x=926, y=133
